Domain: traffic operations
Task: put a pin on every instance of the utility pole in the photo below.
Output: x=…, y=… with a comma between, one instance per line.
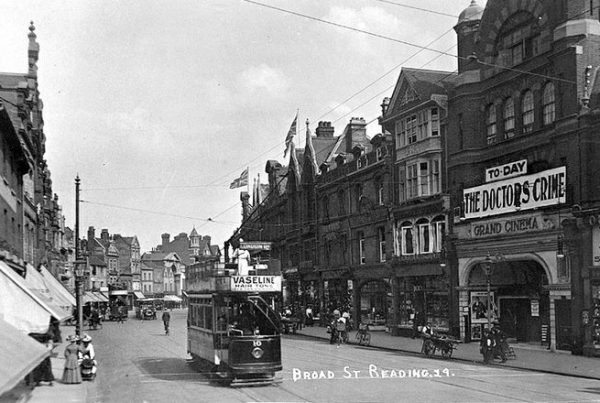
x=78, y=270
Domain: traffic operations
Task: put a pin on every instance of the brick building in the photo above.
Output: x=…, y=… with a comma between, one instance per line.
x=420, y=269
x=522, y=141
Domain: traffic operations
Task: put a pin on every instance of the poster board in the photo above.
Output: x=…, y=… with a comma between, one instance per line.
x=478, y=306
x=476, y=331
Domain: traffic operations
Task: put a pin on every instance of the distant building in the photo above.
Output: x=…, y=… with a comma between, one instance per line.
x=168, y=272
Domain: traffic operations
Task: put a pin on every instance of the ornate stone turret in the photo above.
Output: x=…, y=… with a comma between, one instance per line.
x=33, y=51
x=466, y=31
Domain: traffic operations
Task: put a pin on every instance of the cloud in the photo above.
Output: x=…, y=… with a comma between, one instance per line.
x=266, y=79
x=371, y=19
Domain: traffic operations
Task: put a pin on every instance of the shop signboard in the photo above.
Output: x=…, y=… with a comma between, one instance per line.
x=506, y=171
x=524, y=192
x=255, y=245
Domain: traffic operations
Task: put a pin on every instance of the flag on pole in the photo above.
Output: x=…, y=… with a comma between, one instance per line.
x=241, y=181
x=290, y=135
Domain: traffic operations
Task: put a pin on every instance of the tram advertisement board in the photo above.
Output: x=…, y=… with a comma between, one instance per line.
x=521, y=192
x=255, y=283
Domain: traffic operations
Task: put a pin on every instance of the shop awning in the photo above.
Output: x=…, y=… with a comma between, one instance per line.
x=138, y=295
x=172, y=298
x=100, y=297
x=19, y=355
x=54, y=285
x=89, y=296
x=184, y=292
x=23, y=308
x=44, y=283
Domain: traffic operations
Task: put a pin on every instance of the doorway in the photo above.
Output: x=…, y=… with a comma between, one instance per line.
x=515, y=315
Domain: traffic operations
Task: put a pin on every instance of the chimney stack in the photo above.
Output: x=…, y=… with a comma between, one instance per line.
x=324, y=130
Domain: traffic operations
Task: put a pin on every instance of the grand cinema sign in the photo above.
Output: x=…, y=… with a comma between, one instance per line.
x=525, y=192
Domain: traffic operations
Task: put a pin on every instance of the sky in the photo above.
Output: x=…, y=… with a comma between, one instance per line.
x=158, y=106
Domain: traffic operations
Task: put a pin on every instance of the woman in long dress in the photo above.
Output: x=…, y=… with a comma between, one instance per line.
x=72, y=374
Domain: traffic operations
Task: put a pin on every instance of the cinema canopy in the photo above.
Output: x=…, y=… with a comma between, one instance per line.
x=524, y=192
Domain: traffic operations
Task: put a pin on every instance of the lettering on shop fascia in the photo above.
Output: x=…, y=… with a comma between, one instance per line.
x=506, y=171
x=519, y=225
x=524, y=192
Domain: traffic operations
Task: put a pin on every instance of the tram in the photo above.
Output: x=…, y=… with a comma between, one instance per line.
x=233, y=323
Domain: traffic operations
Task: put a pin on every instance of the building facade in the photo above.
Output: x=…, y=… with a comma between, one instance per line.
x=420, y=265
x=523, y=177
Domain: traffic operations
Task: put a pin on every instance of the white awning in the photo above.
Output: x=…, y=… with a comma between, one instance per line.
x=138, y=295
x=172, y=298
x=57, y=287
x=101, y=297
x=44, y=283
x=19, y=355
x=22, y=307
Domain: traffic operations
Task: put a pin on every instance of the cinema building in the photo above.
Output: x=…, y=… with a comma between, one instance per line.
x=524, y=182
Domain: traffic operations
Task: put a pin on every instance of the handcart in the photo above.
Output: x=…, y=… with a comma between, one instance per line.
x=444, y=344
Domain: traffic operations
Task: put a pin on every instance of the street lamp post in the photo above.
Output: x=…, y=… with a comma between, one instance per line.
x=487, y=268
x=79, y=273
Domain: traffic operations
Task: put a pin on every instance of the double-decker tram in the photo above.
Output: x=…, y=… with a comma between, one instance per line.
x=233, y=324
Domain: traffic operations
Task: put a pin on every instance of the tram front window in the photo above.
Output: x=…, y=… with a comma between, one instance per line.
x=243, y=316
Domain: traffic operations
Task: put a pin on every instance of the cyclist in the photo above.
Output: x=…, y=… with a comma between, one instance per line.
x=166, y=317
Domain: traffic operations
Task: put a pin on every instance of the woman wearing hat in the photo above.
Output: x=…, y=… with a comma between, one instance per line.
x=87, y=351
x=71, y=373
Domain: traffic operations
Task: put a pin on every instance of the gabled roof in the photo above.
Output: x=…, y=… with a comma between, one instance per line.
x=418, y=85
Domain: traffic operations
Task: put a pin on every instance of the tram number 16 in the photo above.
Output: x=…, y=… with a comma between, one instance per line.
x=256, y=343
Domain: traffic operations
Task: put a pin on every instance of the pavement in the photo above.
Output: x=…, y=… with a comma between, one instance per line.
x=59, y=392
x=528, y=356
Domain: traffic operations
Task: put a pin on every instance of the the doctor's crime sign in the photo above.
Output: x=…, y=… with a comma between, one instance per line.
x=521, y=192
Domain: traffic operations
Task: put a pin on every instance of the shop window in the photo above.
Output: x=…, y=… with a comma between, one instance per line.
x=548, y=104
x=527, y=111
x=491, y=123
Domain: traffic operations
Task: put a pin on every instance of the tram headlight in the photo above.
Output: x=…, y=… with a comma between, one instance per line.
x=257, y=352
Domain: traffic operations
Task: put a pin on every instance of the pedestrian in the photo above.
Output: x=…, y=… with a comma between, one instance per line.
x=486, y=346
x=500, y=343
x=166, y=318
x=120, y=314
x=43, y=372
x=309, y=320
x=72, y=374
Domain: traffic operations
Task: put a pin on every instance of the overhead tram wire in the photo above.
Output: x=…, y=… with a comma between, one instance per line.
x=207, y=220
x=417, y=8
x=381, y=36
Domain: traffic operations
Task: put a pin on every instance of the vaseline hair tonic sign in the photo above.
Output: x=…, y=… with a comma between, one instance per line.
x=255, y=283
x=525, y=192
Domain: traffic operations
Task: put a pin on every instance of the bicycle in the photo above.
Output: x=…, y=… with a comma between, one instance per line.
x=363, y=335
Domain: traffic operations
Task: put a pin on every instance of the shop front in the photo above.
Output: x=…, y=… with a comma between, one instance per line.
x=421, y=294
x=512, y=271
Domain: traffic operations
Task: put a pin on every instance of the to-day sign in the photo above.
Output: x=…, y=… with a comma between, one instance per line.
x=506, y=171
x=526, y=192
x=255, y=283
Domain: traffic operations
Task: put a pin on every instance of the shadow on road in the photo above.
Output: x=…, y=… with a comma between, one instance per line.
x=591, y=390
x=172, y=369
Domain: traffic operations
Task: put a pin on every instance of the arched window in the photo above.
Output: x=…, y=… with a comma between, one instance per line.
x=491, y=123
x=548, y=102
x=509, y=118
x=527, y=111
x=438, y=229
x=408, y=238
